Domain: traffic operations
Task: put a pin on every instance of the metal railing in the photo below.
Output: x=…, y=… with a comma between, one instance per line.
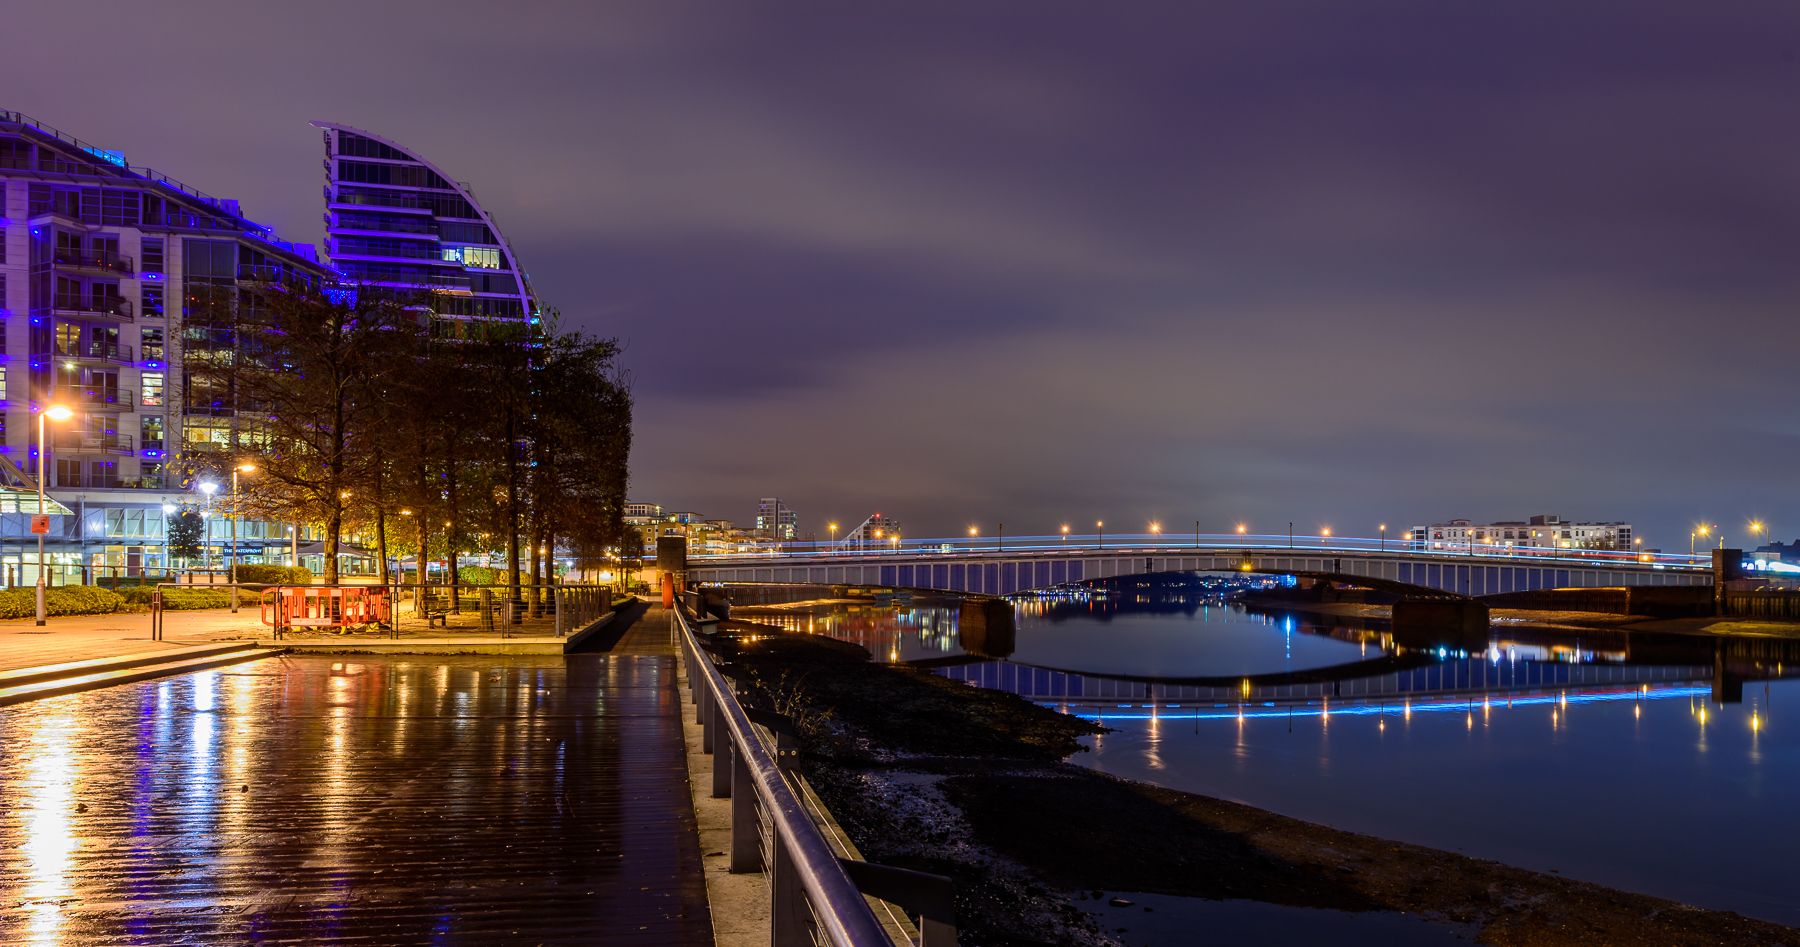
x=93, y=305
x=92, y=259
x=814, y=896
x=578, y=606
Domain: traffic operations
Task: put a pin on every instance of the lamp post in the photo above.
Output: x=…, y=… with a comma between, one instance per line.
x=1756, y=531
x=1002, y=537
x=55, y=412
x=1384, y=537
x=1155, y=530
x=1196, y=534
x=240, y=468
x=1065, y=532
x=832, y=526
x=1100, y=525
x=209, y=488
x=1290, y=534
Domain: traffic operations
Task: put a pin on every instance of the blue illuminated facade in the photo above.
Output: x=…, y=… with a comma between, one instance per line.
x=100, y=264
x=397, y=221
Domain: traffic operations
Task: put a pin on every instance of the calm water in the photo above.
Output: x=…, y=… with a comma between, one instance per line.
x=1602, y=758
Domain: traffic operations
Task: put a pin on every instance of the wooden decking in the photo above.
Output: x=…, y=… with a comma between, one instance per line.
x=357, y=800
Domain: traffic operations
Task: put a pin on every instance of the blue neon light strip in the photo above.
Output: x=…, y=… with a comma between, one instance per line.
x=1397, y=709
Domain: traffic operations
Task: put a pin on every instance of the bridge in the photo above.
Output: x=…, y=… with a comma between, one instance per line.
x=993, y=567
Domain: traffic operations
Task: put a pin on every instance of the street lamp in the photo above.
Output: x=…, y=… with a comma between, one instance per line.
x=1155, y=528
x=240, y=468
x=1002, y=537
x=55, y=412
x=209, y=488
x=1757, y=529
x=1101, y=526
x=1698, y=532
x=832, y=526
x=1384, y=537
x=1065, y=532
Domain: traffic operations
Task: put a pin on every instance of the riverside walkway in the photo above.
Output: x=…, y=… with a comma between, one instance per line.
x=355, y=799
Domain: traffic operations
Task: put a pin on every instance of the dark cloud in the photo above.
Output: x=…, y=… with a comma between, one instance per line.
x=1320, y=261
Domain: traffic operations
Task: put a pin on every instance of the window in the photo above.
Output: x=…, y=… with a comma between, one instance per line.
x=209, y=259
x=153, y=303
x=68, y=473
x=151, y=341
x=153, y=254
x=152, y=389
x=487, y=257
x=152, y=432
x=2, y=383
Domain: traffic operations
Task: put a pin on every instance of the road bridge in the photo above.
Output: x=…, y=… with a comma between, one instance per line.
x=992, y=568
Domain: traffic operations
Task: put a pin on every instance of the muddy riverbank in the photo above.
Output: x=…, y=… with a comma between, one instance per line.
x=939, y=776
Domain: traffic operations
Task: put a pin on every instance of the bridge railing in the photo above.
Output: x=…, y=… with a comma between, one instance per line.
x=812, y=895
x=1177, y=544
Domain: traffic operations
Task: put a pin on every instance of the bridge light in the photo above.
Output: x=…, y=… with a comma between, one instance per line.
x=1155, y=528
x=974, y=531
x=1241, y=529
x=1325, y=531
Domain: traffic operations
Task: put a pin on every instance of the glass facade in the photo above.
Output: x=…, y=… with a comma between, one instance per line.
x=396, y=221
x=119, y=293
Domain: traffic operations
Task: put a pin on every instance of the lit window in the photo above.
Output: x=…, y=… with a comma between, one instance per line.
x=484, y=257
x=153, y=389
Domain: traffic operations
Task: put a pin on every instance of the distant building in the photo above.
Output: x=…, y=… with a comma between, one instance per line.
x=642, y=511
x=872, y=531
x=1545, y=531
x=775, y=521
x=1788, y=553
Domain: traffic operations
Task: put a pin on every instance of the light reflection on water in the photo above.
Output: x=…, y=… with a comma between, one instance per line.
x=1607, y=757
x=45, y=806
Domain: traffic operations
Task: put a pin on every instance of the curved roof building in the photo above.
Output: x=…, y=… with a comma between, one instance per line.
x=394, y=219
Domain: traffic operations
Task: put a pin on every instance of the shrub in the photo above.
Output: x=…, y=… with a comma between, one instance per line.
x=180, y=599
x=59, y=600
x=274, y=575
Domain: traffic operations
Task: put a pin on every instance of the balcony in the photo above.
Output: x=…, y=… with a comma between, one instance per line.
x=84, y=442
x=111, y=307
x=96, y=397
x=93, y=261
x=120, y=354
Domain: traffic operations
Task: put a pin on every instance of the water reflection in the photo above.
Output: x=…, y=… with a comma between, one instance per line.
x=302, y=800
x=44, y=809
x=1654, y=763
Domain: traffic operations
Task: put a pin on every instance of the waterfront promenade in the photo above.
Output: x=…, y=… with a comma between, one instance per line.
x=352, y=798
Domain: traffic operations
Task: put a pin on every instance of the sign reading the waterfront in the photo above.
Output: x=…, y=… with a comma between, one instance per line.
x=40, y=523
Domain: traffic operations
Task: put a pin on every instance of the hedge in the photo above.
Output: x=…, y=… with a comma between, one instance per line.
x=274, y=575
x=180, y=599
x=59, y=600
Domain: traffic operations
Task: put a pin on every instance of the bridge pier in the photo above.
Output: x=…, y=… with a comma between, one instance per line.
x=985, y=627
x=1441, y=622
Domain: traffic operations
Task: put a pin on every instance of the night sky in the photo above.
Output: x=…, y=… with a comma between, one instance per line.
x=1335, y=263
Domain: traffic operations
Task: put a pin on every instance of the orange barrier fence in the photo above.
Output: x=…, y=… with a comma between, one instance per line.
x=325, y=606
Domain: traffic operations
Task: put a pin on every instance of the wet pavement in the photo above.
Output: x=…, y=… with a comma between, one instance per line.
x=346, y=800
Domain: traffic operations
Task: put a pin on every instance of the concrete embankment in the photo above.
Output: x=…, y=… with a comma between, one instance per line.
x=941, y=777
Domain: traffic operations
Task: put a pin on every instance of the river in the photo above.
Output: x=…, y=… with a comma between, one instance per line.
x=1603, y=757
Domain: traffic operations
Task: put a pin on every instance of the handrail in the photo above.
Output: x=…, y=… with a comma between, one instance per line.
x=797, y=846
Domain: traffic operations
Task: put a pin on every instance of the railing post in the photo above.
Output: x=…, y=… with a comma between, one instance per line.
x=746, y=830
x=556, y=606
x=723, y=751
x=790, y=922
x=704, y=707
